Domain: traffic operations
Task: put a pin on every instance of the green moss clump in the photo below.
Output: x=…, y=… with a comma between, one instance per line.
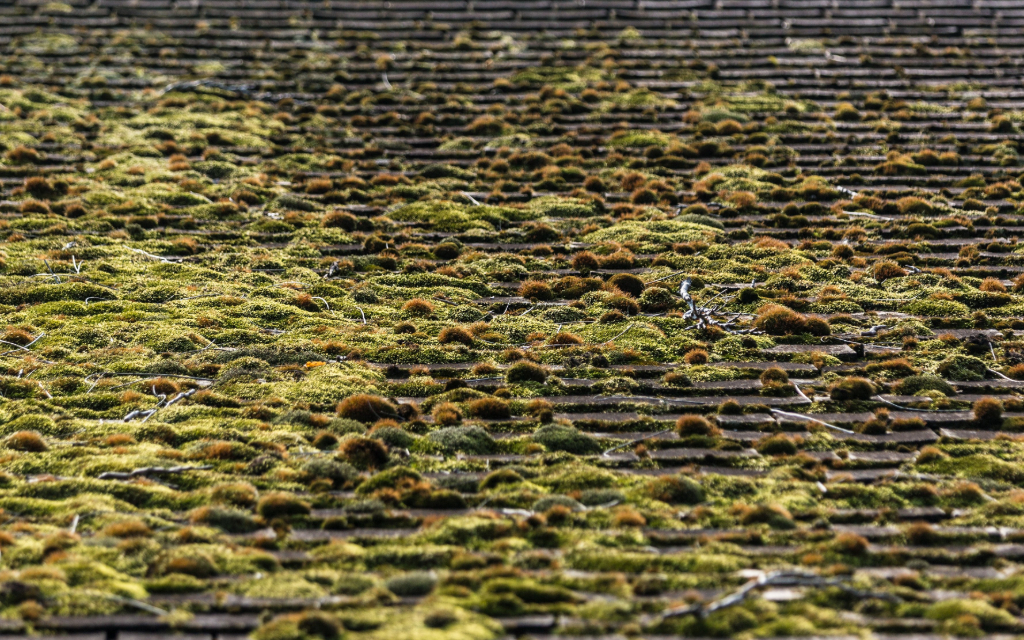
x=472, y=440
x=960, y=367
x=561, y=438
x=913, y=385
x=526, y=371
x=676, y=490
x=418, y=583
x=990, y=618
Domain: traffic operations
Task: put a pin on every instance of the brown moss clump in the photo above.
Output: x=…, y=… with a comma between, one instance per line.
x=585, y=262
x=883, y=271
x=930, y=454
x=525, y=371
x=778, y=320
x=850, y=544
x=594, y=184
x=774, y=515
x=447, y=414
x=565, y=338
x=989, y=412
x=992, y=285
x=776, y=445
x=627, y=283
x=418, y=307
x=128, y=529
x=490, y=409
x=460, y=335
x=319, y=186
x=536, y=290
x=695, y=425
x=324, y=440
x=281, y=505
x=17, y=335
x=366, y=408
x=818, y=326
x=677, y=379
x=852, y=388
x=29, y=441
x=921, y=534
x=363, y=453
x=22, y=154
x=774, y=375
x=696, y=356
x=164, y=386
x=340, y=219
x=628, y=517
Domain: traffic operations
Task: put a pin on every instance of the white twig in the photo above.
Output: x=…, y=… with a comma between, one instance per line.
x=149, y=471
x=152, y=256
x=773, y=579
x=671, y=275
x=867, y=215
x=325, y=303
x=993, y=371
x=801, y=416
x=618, y=335
x=635, y=440
x=902, y=408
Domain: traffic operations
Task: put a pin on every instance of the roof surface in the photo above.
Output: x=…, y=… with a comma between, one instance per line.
x=481, y=319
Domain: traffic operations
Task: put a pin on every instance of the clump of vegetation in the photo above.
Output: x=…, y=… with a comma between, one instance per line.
x=777, y=445
x=561, y=438
x=676, y=490
x=777, y=320
x=418, y=307
x=458, y=335
x=281, y=505
x=418, y=583
x=366, y=408
x=913, y=385
x=695, y=425
x=852, y=388
x=490, y=409
x=526, y=371
x=961, y=367
x=472, y=440
x=363, y=453
x=26, y=441
x=988, y=411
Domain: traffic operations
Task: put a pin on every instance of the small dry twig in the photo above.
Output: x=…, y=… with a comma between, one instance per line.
x=149, y=471
x=773, y=579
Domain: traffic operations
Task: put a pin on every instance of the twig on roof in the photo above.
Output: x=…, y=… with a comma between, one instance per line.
x=620, y=334
x=774, y=579
x=154, y=257
x=635, y=440
x=790, y=414
x=149, y=471
x=902, y=408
